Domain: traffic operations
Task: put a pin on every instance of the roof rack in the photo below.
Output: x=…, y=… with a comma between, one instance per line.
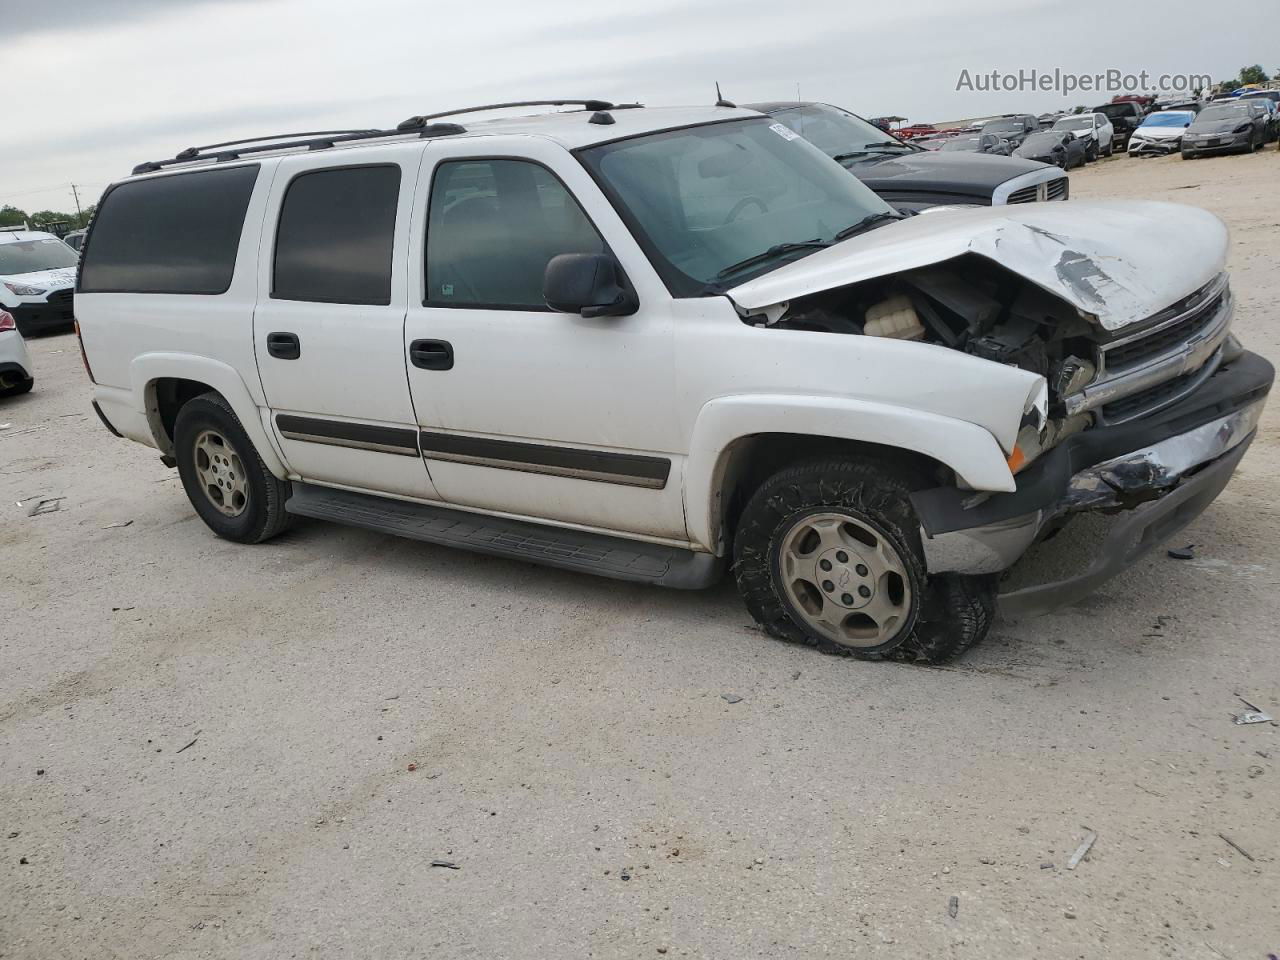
x=325, y=139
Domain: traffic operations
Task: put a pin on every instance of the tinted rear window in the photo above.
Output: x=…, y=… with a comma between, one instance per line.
x=176, y=234
x=334, y=241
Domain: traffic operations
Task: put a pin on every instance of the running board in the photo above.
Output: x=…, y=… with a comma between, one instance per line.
x=604, y=556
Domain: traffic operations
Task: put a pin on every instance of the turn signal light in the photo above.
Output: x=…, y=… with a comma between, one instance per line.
x=84, y=357
x=1017, y=460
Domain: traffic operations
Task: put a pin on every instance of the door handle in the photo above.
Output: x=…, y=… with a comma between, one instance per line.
x=284, y=346
x=431, y=354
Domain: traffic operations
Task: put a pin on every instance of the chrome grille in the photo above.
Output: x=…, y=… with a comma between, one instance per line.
x=1058, y=189
x=1165, y=338
x=61, y=298
x=1025, y=195
x=1051, y=190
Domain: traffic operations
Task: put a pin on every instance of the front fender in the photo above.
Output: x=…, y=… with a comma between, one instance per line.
x=971, y=451
x=146, y=369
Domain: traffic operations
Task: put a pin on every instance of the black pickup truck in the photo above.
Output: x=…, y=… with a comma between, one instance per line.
x=1125, y=116
x=909, y=177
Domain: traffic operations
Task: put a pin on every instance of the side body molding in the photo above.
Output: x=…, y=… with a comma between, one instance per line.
x=970, y=450
x=147, y=368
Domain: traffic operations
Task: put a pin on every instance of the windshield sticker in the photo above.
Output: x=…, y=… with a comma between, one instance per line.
x=785, y=132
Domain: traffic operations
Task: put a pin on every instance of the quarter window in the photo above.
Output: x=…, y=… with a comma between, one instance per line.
x=172, y=234
x=492, y=227
x=337, y=228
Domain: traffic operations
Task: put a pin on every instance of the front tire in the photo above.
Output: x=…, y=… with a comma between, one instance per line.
x=226, y=481
x=827, y=553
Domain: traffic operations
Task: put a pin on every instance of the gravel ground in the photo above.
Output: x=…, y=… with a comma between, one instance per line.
x=208, y=750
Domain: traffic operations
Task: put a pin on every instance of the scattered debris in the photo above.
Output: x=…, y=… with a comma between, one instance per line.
x=412, y=767
x=5, y=426
x=1239, y=849
x=953, y=907
x=121, y=609
x=192, y=743
x=1184, y=553
x=40, y=772
x=49, y=505
x=1068, y=914
x=1255, y=771
x=22, y=860
x=730, y=698
x=1252, y=715
x=1047, y=865
x=116, y=526
x=13, y=834
x=447, y=864
x=662, y=949
x=795, y=675
x=626, y=873
x=1082, y=851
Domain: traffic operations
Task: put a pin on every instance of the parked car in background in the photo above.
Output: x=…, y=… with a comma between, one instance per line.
x=1160, y=133
x=1094, y=129
x=1225, y=128
x=916, y=130
x=1125, y=117
x=37, y=277
x=1062, y=148
x=1270, y=111
x=911, y=176
x=758, y=366
x=988, y=143
x=1014, y=127
x=75, y=239
x=16, y=372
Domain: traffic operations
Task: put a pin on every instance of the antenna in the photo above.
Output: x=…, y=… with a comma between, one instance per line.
x=721, y=101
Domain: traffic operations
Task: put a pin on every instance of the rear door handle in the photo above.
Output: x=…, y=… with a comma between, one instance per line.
x=431, y=354
x=284, y=346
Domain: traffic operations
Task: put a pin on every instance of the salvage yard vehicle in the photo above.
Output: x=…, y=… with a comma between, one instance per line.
x=1062, y=148
x=16, y=372
x=1094, y=129
x=37, y=279
x=654, y=344
x=985, y=143
x=1224, y=128
x=909, y=176
x=1013, y=127
x=1125, y=117
x=1160, y=133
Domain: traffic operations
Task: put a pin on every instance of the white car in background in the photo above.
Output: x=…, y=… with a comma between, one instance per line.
x=15, y=363
x=37, y=280
x=1094, y=129
x=1160, y=133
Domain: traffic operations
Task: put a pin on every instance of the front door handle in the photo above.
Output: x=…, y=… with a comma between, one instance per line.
x=431, y=354
x=284, y=346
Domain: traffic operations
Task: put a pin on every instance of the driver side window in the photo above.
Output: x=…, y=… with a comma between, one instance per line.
x=492, y=227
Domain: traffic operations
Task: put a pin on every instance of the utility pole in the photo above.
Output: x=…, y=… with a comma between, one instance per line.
x=79, y=213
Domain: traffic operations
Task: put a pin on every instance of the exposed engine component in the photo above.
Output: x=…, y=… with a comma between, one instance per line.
x=895, y=318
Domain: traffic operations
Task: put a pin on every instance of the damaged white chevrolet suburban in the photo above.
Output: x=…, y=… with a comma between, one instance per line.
x=655, y=343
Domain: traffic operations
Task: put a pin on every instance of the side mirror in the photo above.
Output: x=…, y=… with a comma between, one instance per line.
x=588, y=283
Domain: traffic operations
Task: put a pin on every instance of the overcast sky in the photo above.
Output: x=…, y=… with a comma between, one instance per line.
x=94, y=86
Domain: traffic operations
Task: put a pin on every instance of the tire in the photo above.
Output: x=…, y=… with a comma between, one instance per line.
x=1091, y=153
x=19, y=389
x=216, y=459
x=1111, y=148
x=940, y=616
x=1186, y=156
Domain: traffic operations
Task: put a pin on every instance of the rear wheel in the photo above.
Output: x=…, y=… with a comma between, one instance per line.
x=230, y=487
x=17, y=389
x=828, y=553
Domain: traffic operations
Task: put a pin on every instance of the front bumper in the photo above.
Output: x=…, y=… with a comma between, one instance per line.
x=1152, y=476
x=1225, y=144
x=38, y=317
x=1154, y=148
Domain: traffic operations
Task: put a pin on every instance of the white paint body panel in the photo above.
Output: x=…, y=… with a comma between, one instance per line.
x=13, y=349
x=1108, y=259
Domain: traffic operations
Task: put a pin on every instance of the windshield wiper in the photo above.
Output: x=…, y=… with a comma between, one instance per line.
x=871, y=148
x=776, y=250
x=866, y=223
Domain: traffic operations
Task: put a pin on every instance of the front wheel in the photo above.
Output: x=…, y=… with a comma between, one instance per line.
x=230, y=487
x=828, y=553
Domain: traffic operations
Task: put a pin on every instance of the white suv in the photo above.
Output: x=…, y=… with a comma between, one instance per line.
x=1097, y=132
x=655, y=343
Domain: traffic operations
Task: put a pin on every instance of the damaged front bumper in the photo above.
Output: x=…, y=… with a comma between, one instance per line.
x=1153, y=476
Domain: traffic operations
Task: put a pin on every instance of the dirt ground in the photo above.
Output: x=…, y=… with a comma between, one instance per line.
x=205, y=749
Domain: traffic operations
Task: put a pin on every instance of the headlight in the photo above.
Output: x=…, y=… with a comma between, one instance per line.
x=22, y=290
x=1243, y=128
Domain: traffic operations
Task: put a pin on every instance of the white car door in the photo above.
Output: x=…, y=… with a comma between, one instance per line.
x=329, y=323
x=524, y=410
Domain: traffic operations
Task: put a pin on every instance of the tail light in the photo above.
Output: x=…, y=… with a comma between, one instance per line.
x=7, y=322
x=84, y=357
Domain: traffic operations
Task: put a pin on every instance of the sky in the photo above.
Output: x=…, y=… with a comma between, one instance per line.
x=93, y=87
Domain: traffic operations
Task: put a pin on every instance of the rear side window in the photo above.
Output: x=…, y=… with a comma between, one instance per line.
x=493, y=226
x=176, y=234
x=336, y=231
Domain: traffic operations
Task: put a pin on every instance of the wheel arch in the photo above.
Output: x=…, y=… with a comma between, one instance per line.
x=166, y=381
x=740, y=441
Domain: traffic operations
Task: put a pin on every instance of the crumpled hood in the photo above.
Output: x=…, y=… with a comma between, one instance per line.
x=1160, y=133
x=1121, y=261
x=49, y=279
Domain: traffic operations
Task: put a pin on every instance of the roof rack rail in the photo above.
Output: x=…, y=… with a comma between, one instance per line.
x=593, y=105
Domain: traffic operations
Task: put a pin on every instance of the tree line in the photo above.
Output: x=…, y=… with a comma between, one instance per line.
x=11, y=216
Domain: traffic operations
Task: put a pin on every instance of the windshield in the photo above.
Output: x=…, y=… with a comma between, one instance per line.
x=962, y=143
x=702, y=200
x=833, y=131
x=1003, y=126
x=1233, y=112
x=1041, y=141
x=1114, y=110
x=1169, y=119
x=1082, y=122
x=31, y=256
